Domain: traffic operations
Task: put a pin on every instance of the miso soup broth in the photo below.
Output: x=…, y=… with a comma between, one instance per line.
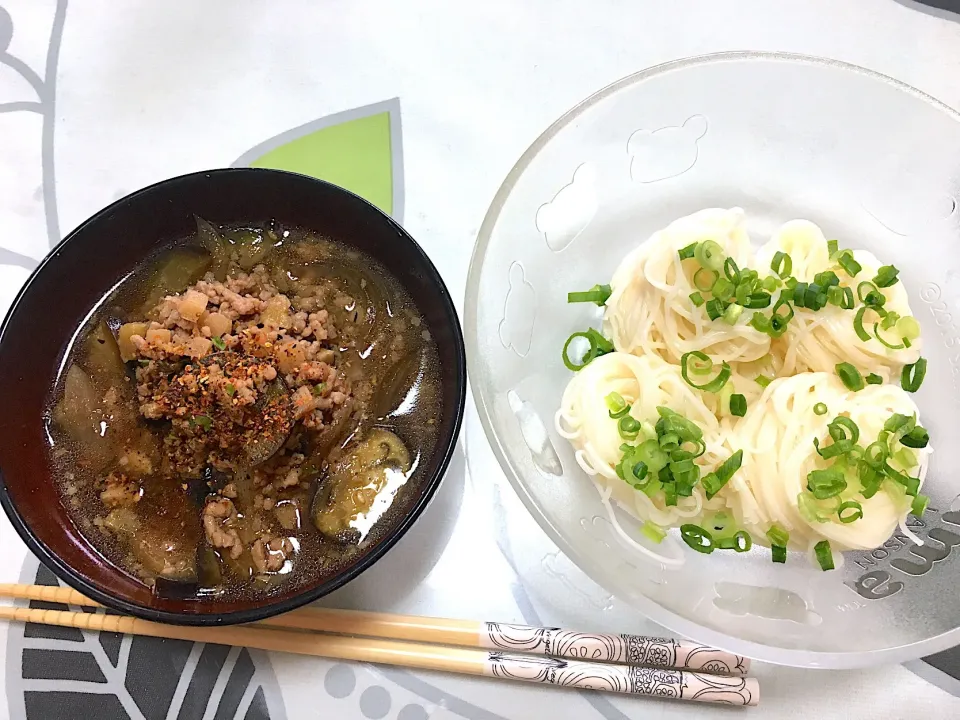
x=246, y=413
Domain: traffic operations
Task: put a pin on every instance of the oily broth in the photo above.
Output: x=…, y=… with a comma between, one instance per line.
x=371, y=312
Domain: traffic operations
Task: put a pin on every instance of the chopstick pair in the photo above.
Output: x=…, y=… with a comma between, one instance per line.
x=630, y=664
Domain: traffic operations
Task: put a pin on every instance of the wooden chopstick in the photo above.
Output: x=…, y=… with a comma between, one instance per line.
x=624, y=649
x=657, y=682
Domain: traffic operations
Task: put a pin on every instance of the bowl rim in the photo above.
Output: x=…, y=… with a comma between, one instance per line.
x=484, y=401
x=445, y=449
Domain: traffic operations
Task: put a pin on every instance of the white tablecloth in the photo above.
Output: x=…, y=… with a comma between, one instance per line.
x=100, y=97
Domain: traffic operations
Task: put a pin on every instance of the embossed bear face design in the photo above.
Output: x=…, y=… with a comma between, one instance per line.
x=665, y=153
x=563, y=218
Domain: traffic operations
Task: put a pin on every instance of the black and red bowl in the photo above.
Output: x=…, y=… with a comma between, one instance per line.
x=90, y=261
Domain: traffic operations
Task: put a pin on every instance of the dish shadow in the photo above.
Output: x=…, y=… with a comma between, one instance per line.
x=406, y=564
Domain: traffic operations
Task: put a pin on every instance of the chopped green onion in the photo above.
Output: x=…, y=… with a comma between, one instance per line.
x=824, y=556
x=874, y=379
x=843, y=428
x=617, y=406
x=833, y=247
x=911, y=378
x=908, y=328
x=876, y=454
x=709, y=254
x=762, y=380
x=628, y=427
x=598, y=294
x=143, y=362
x=850, y=376
x=731, y=270
x=825, y=484
x=738, y=405
x=317, y=390
x=782, y=264
x=758, y=300
x=204, y=421
x=886, y=276
x=799, y=294
x=704, y=279
x=869, y=290
x=911, y=484
x=905, y=457
x=871, y=478
x=770, y=284
x=218, y=342
x=790, y=283
x=827, y=279
x=741, y=542
x=919, y=505
x=599, y=345
x=229, y=389
x=652, y=532
x=723, y=289
x=850, y=266
x=819, y=409
x=671, y=421
x=697, y=299
x=779, y=553
x=809, y=509
x=714, y=385
x=688, y=252
x=732, y=314
x=640, y=471
x=883, y=341
x=917, y=438
x=697, y=538
x=858, y=324
x=715, y=308
x=849, y=517
x=778, y=536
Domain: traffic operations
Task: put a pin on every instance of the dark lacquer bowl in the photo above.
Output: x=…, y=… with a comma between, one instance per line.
x=89, y=262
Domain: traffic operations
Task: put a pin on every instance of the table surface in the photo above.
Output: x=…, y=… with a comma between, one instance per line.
x=99, y=98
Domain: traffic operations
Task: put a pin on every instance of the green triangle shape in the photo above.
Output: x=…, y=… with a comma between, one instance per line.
x=355, y=154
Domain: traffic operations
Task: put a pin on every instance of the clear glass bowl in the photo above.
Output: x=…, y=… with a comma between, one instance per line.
x=876, y=164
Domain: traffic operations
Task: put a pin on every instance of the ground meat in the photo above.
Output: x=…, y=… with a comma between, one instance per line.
x=270, y=553
x=119, y=491
x=219, y=525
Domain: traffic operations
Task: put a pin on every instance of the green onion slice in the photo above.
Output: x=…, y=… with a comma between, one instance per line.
x=723, y=289
x=218, y=342
x=688, y=252
x=738, y=405
x=704, y=279
x=731, y=270
x=874, y=379
x=820, y=409
x=850, y=266
x=824, y=556
x=778, y=553
x=628, y=427
x=911, y=378
x=908, y=328
x=709, y=254
x=850, y=376
x=919, y=505
x=886, y=276
x=824, y=484
x=715, y=308
x=652, y=532
x=858, y=324
x=697, y=538
x=782, y=264
x=762, y=380
x=833, y=247
x=849, y=511
x=598, y=294
x=599, y=345
x=697, y=299
x=777, y=535
x=883, y=341
x=732, y=314
x=617, y=406
x=917, y=438
x=713, y=385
